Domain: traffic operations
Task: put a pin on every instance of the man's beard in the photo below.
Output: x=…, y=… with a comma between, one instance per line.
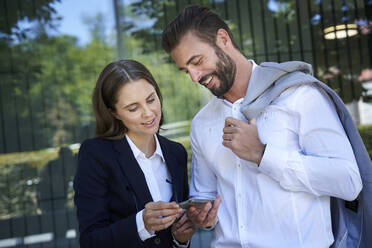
x=225, y=72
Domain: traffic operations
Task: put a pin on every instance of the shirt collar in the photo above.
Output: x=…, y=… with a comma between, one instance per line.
x=254, y=65
x=138, y=153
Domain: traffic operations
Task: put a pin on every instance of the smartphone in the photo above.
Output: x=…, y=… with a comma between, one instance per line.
x=197, y=202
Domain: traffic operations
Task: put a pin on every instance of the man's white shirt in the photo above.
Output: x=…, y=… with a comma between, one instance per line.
x=285, y=201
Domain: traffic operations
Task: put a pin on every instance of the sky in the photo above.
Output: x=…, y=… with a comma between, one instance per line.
x=72, y=12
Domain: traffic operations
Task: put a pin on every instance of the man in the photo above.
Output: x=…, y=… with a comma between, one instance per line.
x=276, y=172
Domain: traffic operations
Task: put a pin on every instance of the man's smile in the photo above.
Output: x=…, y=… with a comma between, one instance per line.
x=207, y=81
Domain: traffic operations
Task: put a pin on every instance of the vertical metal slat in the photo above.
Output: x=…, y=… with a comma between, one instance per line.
x=264, y=30
x=339, y=77
x=299, y=26
x=252, y=30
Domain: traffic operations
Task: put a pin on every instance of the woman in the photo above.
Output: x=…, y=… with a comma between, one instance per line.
x=129, y=177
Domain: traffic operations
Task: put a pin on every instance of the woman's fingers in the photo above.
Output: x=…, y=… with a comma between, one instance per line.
x=160, y=215
x=184, y=227
x=161, y=205
x=162, y=223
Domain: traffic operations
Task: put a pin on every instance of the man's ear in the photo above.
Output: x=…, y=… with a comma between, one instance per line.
x=223, y=39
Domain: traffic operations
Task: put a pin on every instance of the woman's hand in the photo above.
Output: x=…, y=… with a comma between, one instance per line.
x=183, y=229
x=160, y=215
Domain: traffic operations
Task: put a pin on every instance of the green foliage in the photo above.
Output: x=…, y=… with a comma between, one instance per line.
x=18, y=192
x=366, y=134
x=55, y=76
x=31, y=10
x=160, y=12
x=36, y=181
x=52, y=78
x=185, y=141
x=60, y=77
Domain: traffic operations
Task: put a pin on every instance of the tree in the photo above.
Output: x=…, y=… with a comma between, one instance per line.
x=16, y=11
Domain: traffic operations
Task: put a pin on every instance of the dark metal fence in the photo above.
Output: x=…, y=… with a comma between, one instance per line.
x=39, y=113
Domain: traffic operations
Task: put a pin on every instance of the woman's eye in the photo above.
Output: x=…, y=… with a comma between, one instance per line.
x=132, y=109
x=151, y=100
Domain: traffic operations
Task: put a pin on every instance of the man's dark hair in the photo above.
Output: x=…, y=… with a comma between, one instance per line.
x=202, y=21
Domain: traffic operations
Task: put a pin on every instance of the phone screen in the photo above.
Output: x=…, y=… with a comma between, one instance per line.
x=194, y=202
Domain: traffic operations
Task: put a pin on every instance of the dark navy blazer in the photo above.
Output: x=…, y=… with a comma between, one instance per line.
x=110, y=188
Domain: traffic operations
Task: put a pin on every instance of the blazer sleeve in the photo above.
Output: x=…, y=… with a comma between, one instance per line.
x=97, y=229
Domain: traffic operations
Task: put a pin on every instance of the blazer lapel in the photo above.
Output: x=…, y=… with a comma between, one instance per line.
x=171, y=163
x=132, y=172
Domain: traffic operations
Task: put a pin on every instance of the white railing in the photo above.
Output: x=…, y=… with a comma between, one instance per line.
x=175, y=129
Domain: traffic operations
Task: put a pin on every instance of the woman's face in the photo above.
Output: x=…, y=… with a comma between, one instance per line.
x=139, y=108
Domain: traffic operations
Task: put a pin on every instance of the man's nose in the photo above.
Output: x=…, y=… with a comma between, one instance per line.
x=195, y=75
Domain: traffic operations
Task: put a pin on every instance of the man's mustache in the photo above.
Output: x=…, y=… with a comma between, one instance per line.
x=207, y=76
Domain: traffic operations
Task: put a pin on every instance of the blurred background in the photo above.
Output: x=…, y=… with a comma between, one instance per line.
x=51, y=52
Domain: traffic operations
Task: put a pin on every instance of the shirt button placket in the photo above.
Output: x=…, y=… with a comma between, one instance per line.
x=240, y=207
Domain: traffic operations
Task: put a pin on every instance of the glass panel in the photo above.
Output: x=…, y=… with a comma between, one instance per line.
x=52, y=52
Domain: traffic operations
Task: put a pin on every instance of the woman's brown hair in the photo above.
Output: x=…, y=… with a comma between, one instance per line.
x=110, y=80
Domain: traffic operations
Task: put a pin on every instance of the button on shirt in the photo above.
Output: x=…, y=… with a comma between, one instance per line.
x=285, y=201
x=156, y=174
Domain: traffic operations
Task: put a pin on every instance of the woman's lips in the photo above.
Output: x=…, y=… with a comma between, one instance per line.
x=150, y=123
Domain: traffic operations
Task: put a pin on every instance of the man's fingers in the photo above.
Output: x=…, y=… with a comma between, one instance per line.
x=193, y=214
x=204, y=212
x=205, y=216
x=181, y=220
x=229, y=130
x=212, y=214
x=227, y=137
x=227, y=143
x=217, y=201
x=229, y=121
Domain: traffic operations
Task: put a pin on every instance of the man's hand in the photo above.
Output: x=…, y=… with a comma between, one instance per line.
x=183, y=229
x=242, y=139
x=160, y=215
x=204, y=215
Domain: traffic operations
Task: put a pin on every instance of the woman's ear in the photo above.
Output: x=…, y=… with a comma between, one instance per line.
x=113, y=113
